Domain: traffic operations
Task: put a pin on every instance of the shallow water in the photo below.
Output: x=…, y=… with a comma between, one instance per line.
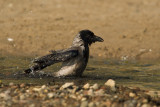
x=127, y=73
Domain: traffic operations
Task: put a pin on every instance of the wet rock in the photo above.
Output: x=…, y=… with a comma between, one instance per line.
x=112, y=84
x=67, y=85
x=86, y=86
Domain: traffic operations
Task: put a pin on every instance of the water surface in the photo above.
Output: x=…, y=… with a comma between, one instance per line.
x=127, y=73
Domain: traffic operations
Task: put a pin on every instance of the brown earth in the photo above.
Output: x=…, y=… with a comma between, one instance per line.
x=130, y=28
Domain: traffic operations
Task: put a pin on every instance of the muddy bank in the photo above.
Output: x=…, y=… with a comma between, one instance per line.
x=130, y=28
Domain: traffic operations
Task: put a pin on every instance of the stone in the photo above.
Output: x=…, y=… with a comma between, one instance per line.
x=95, y=86
x=22, y=97
x=84, y=104
x=11, y=84
x=84, y=99
x=37, y=89
x=130, y=103
x=75, y=89
x=43, y=86
x=90, y=92
x=91, y=104
x=6, y=96
x=66, y=85
x=132, y=94
x=50, y=95
x=86, y=86
x=112, y=84
x=22, y=85
x=32, y=105
x=146, y=105
x=99, y=92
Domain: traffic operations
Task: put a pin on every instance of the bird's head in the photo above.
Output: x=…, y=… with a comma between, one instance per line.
x=89, y=37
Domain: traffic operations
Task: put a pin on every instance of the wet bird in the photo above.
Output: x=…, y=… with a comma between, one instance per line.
x=74, y=59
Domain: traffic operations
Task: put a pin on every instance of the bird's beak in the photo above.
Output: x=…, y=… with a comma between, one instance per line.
x=98, y=39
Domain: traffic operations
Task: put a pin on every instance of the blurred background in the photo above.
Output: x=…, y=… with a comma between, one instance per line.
x=130, y=28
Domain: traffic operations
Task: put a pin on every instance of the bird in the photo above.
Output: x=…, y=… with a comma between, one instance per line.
x=74, y=59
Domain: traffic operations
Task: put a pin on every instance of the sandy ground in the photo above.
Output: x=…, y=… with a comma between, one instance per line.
x=130, y=28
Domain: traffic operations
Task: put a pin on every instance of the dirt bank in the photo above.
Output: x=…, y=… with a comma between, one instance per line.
x=130, y=28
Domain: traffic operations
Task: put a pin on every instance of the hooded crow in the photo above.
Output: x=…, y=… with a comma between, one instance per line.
x=74, y=59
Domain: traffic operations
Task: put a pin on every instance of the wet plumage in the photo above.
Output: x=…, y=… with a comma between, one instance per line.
x=74, y=59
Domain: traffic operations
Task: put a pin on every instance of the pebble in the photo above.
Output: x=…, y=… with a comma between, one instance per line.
x=91, y=104
x=90, y=92
x=146, y=105
x=37, y=89
x=81, y=96
x=5, y=96
x=66, y=85
x=43, y=87
x=22, y=97
x=112, y=84
x=22, y=85
x=32, y=105
x=50, y=95
x=130, y=103
x=145, y=100
x=99, y=92
x=86, y=86
x=11, y=84
x=84, y=99
x=84, y=104
x=132, y=94
x=95, y=86
x=75, y=90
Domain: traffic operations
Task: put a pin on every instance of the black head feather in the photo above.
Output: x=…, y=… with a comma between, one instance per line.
x=89, y=37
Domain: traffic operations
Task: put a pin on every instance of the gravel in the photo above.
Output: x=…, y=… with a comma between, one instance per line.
x=70, y=95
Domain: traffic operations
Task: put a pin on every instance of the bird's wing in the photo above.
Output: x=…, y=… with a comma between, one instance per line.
x=54, y=57
x=57, y=56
